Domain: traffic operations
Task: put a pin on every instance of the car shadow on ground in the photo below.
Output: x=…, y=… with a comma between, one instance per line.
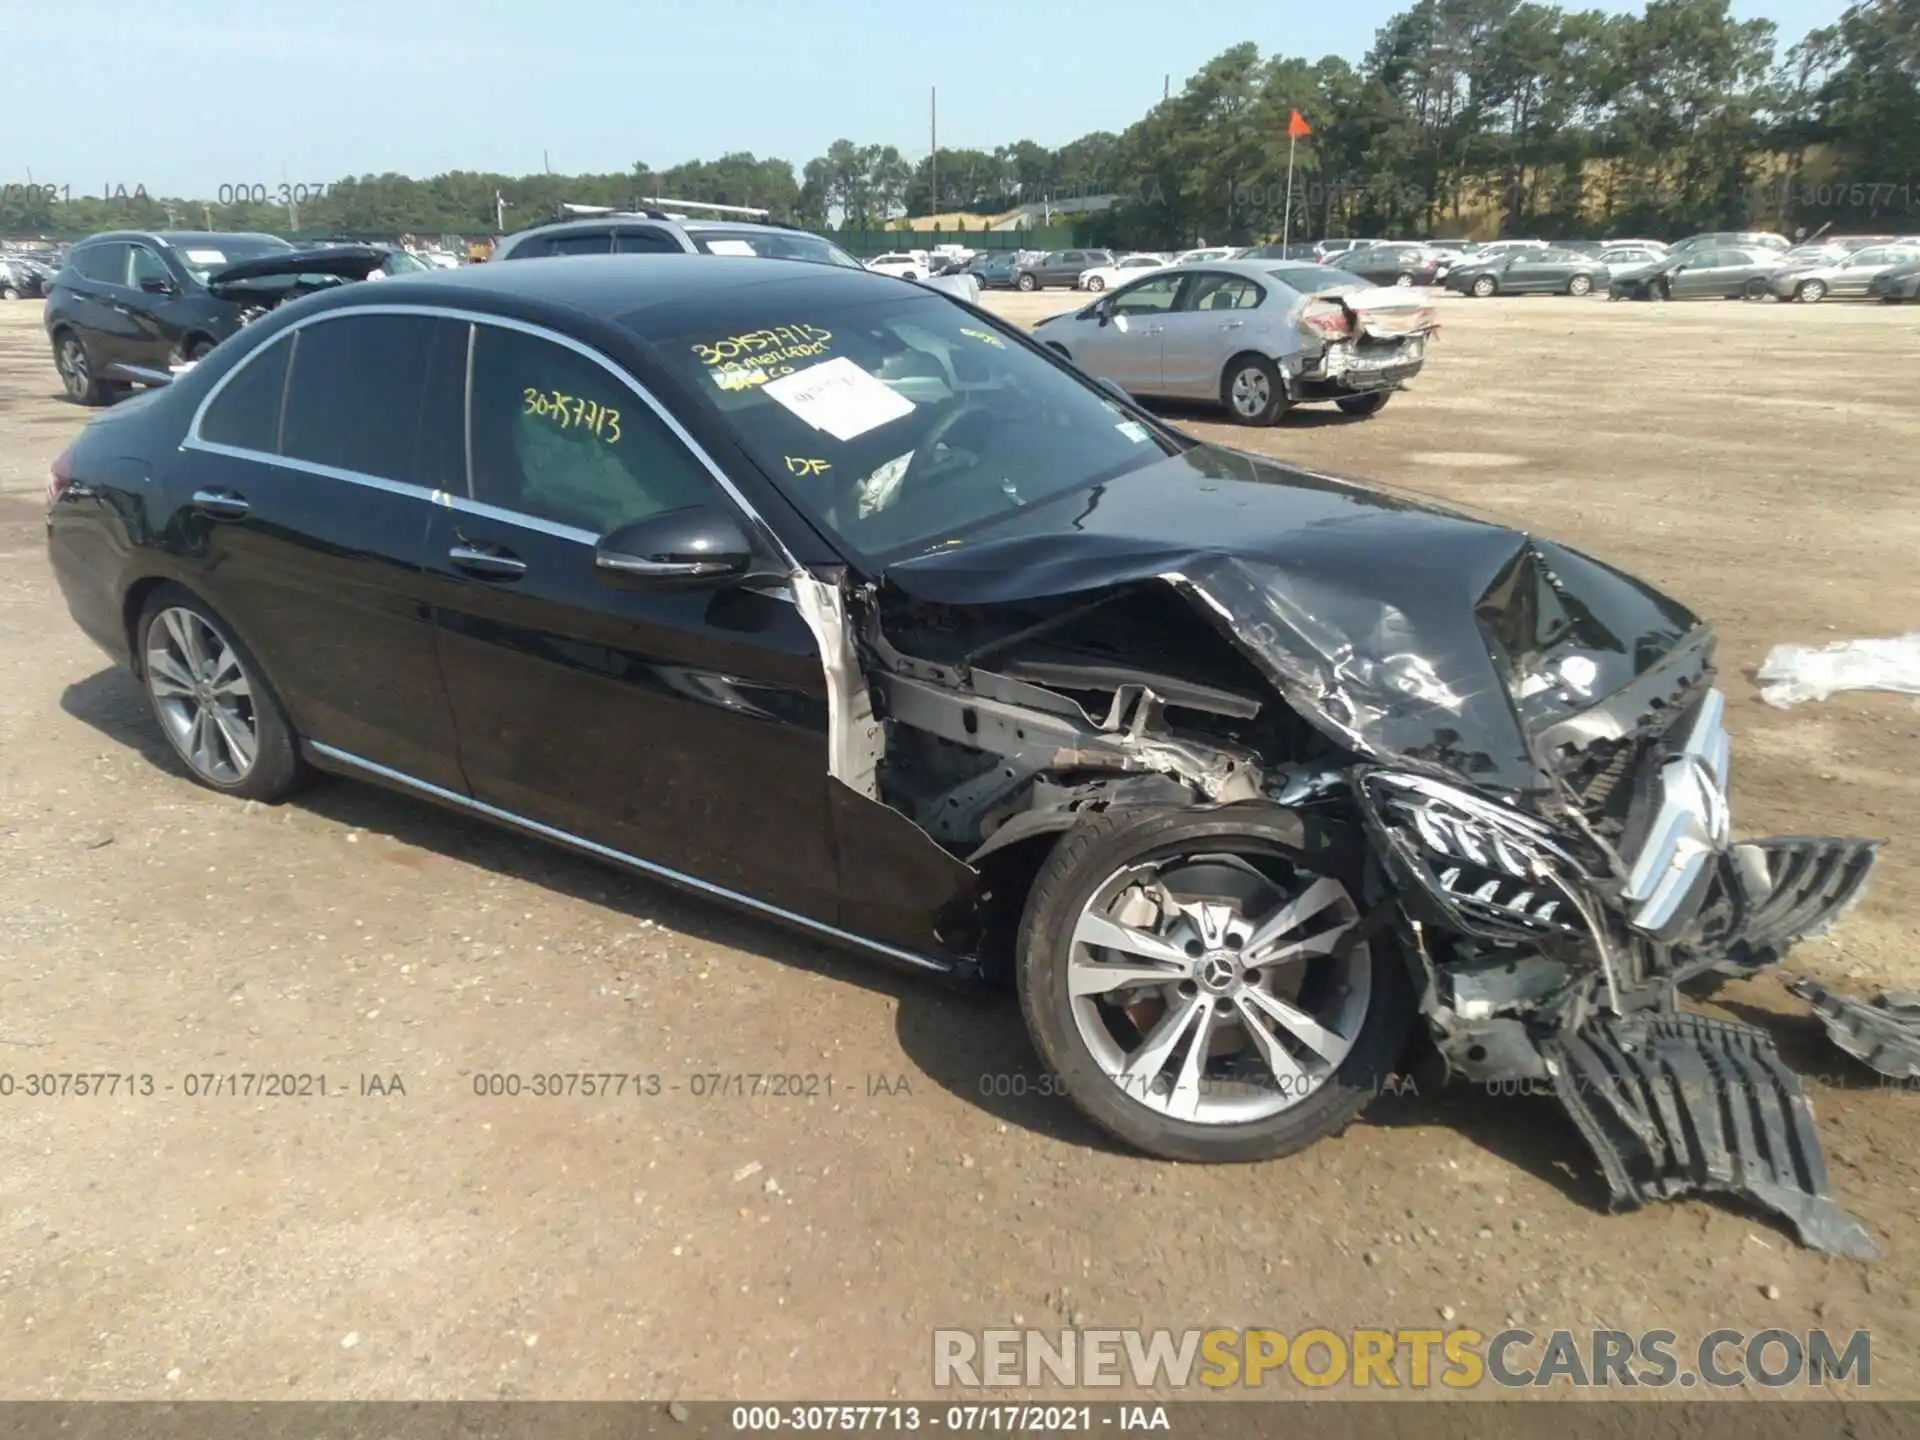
x=974, y=1045
x=971, y=1044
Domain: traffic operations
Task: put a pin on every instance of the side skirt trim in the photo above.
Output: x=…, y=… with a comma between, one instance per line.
x=620, y=857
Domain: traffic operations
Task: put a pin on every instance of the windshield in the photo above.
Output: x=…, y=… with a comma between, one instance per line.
x=208, y=256
x=772, y=245
x=902, y=424
x=402, y=262
x=1308, y=279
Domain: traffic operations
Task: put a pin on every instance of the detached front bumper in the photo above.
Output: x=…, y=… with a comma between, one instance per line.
x=1590, y=946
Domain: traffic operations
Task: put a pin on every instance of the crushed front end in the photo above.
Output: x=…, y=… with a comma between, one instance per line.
x=1554, y=936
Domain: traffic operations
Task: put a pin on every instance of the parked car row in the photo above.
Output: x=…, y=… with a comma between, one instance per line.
x=25, y=277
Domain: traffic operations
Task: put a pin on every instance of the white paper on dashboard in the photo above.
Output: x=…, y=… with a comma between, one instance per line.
x=837, y=396
x=730, y=247
x=206, y=257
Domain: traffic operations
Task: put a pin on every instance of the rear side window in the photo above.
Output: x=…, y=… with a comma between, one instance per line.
x=354, y=399
x=246, y=413
x=557, y=437
x=106, y=263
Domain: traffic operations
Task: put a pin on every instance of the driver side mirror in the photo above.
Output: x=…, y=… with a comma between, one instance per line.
x=691, y=548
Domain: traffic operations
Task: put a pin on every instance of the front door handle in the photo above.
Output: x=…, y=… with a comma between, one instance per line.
x=221, y=504
x=1232, y=324
x=1155, y=329
x=488, y=564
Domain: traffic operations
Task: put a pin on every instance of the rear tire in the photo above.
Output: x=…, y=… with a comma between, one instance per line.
x=1658, y=290
x=83, y=386
x=1755, y=289
x=1364, y=405
x=1026, y=283
x=9, y=293
x=1403, y=280
x=212, y=701
x=1580, y=285
x=1253, y=391
x=1247, y=856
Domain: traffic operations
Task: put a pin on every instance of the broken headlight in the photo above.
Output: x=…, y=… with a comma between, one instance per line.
x=1491, y=870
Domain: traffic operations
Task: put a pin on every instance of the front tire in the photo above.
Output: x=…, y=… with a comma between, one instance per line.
x=1364, y=405
x=1403, y=281
x=1253, y=391
x=1486, y=285
x=212, y=700
x=1096, y=283
x=1146, y=931
x=1810, y=292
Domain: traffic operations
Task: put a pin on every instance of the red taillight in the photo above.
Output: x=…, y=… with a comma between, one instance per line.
x=60, y=476
x=1330, y=322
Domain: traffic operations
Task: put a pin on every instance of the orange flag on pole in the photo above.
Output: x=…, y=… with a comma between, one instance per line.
x=1297, y=126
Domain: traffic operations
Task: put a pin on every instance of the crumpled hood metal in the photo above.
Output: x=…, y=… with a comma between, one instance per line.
x=1393, y=625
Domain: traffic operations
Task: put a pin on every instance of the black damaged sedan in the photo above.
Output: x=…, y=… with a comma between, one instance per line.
x=840, y=600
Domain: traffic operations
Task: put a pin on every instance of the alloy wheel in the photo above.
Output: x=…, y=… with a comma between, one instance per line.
x=73, y=368
x=203, y=696
x=1251, y=391
x=1216, y=992
x=1579, y=285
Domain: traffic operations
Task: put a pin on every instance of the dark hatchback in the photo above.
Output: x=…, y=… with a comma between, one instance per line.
x=841, y=600
x=130, y=307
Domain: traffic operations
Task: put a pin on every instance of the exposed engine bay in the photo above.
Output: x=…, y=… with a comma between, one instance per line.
x=1548, y=845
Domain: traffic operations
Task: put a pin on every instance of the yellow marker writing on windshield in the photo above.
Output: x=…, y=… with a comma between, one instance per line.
x=807, y=467
x=983, y=337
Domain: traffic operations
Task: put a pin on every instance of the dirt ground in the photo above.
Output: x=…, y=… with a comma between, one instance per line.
x=1757, y=460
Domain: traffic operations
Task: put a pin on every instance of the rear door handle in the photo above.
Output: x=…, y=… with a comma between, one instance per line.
x=1232, y=324
x=1156, y=329
x=221, y=504
x=487, y=564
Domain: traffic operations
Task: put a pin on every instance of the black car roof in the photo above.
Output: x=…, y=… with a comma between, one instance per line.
x=608, y=287
x=179, y=239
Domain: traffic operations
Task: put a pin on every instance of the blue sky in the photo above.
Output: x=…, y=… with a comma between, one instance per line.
x=186, y=96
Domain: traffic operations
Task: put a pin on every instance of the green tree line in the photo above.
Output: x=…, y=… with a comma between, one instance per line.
x=1465, y=117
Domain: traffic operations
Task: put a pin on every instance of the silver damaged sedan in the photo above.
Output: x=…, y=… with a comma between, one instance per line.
x=1254, y=336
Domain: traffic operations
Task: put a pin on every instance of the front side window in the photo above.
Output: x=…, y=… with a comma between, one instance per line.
x=246, y=413
x=898, y=423
x=354, y=398
x=147, y=271
x=1147, y=297
x=644, y=240
x=557, y=436
x=591, y=242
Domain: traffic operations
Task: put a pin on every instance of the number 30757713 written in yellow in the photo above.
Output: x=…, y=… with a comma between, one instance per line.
x=571, y=412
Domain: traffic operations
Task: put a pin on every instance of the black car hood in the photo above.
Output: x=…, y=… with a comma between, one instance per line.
x=1408, y=632
x=339, y=263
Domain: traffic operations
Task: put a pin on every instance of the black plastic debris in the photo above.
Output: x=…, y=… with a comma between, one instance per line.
x=1675, y=1104
x=1808, y=884
x=1883, y=1034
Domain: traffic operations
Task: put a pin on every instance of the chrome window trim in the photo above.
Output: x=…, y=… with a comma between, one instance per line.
x=192, y=440
x=606, y=852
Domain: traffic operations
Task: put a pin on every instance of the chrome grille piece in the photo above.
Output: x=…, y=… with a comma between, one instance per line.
x=1690, y=827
